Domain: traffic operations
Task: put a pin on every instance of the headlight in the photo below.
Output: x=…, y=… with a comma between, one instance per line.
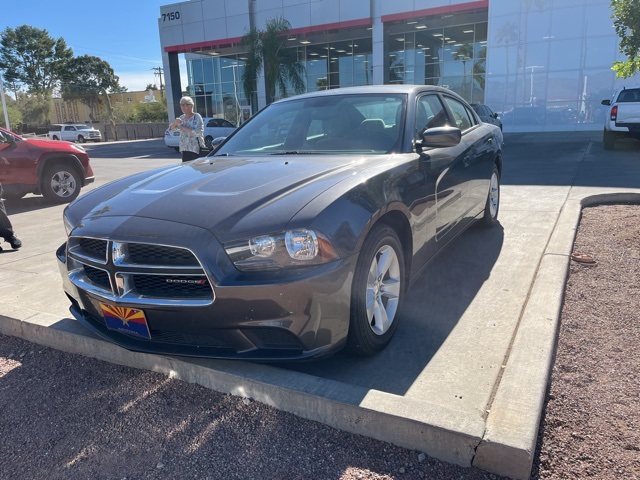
x=293, y=248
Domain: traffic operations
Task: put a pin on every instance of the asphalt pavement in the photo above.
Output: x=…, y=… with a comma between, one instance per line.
x=465, y=377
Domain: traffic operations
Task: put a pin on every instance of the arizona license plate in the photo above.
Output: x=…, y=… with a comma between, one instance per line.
x=129, y=321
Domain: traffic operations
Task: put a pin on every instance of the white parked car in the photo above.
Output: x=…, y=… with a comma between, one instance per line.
x=216, y=127
x=172, y=139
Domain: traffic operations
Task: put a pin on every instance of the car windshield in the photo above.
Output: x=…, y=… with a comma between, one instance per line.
x=337, y=124
x=83, y=127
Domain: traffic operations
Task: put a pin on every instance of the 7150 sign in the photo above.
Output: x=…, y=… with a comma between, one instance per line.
x=170, y=16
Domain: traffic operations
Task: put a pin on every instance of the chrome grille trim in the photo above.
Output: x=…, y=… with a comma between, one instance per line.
x=188, y=287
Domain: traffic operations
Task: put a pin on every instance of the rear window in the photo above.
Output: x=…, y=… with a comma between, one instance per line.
x=629, y=95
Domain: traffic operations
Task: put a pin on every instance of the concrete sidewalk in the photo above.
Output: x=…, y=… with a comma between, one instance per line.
x=464, y=379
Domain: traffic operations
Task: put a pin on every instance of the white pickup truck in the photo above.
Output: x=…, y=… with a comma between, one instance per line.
x=76, y=132
x=623, y=118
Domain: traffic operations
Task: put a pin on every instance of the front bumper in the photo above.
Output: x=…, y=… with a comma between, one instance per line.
x=277, y=316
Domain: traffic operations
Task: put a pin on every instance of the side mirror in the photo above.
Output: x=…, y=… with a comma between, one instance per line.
x=439, y=137
x=606, y=102
x=495, y=115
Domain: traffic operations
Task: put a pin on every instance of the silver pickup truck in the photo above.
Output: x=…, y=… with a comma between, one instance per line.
x=623, y=118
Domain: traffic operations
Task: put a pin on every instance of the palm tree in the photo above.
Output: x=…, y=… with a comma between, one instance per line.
x=266, y=51
x=464, y=53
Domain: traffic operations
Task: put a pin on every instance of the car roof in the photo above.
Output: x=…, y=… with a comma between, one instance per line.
x=389, y=89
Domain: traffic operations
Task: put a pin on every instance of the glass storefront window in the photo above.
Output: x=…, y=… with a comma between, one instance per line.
x=600, y=51
x=566, y=23
x=565, y=55
x=448, y=56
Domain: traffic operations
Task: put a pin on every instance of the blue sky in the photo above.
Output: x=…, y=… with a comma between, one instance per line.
x=123, y=33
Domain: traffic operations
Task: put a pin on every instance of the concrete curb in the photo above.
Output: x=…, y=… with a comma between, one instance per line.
x=509, y=442
x=440, y=433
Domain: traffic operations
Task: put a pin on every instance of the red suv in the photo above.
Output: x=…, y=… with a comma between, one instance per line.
x=57, y=170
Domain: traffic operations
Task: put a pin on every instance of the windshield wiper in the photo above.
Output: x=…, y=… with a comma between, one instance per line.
x=223, y=155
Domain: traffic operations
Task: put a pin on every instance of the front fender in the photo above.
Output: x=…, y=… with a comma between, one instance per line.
x=63, y=158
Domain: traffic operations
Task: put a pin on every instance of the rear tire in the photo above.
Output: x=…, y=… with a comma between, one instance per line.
x=492, y=206
x=609, y=140
x=377, y=292
x=60, y=183
x=55, y=137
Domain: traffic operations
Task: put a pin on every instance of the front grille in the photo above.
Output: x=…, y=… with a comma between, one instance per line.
x=90, y=248
x=172, y=286
x=146, y=254
x=98, y=277
x=138, y=273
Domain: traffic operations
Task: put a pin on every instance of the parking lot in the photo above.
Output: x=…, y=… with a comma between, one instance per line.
x=471, y=335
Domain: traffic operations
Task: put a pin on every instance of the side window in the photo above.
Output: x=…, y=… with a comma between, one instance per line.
x=461, y=116
x=430, y=113
x=211, y=123
x=226, y=123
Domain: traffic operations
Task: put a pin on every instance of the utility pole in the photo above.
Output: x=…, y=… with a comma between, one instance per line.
x=159, y=72
x=4, y=106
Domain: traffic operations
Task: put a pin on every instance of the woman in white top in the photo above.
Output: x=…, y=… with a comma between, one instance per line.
x=191, y=129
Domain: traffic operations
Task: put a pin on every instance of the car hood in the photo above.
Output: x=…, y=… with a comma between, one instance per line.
x=49, y=145
x=232, y=197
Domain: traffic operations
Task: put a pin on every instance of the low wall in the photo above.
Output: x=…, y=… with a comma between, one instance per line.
x=131, y=131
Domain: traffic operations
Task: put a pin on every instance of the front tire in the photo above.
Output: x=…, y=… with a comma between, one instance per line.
x=609, y=140
x=81, y=139
x=60, y=184
x=377, y=292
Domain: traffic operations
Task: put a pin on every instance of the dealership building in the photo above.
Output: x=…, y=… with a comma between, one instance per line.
x=543, y=65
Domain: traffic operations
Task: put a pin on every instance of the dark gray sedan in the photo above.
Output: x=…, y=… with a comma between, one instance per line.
x=297, y=237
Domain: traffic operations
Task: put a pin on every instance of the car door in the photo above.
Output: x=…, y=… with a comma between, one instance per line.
x=16, y=164
x=445, y=167
x=69, y=133
x=478, y=158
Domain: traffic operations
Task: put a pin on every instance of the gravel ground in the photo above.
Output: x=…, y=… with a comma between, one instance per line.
x=67, y=416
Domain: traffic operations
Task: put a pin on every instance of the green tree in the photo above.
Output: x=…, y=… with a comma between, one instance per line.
x=627, y=24
x=151, y=86
x=34, y=107
x=86, y=79
x=266, y=51
x=32, y=57
x=149, y=112
x=121, y=112
x=15, y=117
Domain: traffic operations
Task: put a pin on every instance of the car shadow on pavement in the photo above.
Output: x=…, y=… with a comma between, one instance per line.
x=29, y=203
x=432, y=309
